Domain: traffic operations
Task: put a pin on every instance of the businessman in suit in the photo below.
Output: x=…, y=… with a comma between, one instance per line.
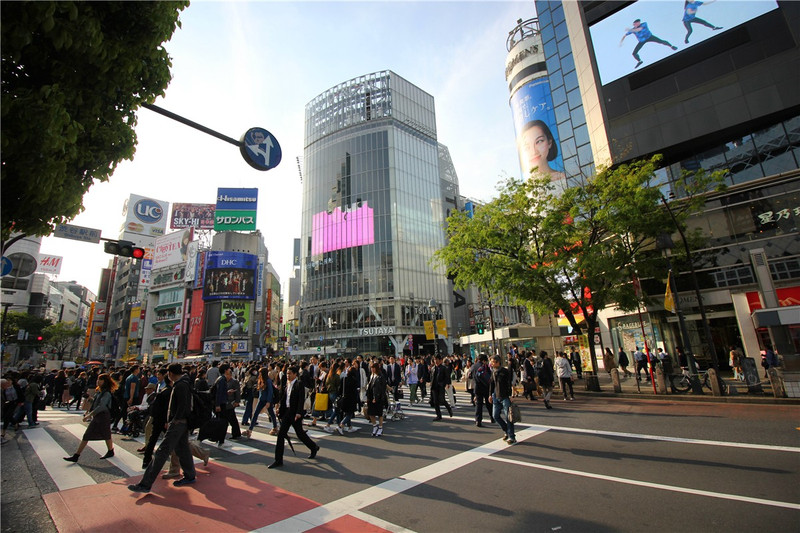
x=394, y=373
x=290, y=410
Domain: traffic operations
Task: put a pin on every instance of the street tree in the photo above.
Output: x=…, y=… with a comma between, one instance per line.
x=576, y=251
x=73, y=76
x=63, y=338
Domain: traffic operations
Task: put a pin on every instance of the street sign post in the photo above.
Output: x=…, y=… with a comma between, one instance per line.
x=77, y=233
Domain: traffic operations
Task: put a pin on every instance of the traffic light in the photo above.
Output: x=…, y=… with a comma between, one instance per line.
x=123, y=249
x=39, y=338
x=479, y=326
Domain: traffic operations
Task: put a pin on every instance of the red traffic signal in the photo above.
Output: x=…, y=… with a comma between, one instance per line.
x=123, y=249
x=39, y=338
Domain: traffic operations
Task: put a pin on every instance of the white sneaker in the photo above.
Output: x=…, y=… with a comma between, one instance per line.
x=351, y=429
x=374, y=430
x=380, y=431
x=340, y=430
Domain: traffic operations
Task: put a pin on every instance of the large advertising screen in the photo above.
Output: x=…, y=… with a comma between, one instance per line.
x=234, y=319
x=355, y=226
x=198, y=216
x=230, y=275
x=537, y=135
x=647, y=31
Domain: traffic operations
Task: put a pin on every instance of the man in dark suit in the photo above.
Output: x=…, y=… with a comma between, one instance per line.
x=439, y=383
x=290, y=410
x=423, y=376
x=394, y=375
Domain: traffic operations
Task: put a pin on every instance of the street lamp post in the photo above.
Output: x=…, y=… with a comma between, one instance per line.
x=434, y=307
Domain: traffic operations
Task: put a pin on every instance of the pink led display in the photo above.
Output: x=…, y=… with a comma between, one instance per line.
x=342, y=229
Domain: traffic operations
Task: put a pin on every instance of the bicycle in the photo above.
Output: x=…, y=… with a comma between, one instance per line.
x=683, y=382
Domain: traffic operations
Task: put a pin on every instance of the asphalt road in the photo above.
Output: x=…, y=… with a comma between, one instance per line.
x=595, y=464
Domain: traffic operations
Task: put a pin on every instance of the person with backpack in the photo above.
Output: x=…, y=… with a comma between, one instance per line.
x=482, y=376
x=100, y=416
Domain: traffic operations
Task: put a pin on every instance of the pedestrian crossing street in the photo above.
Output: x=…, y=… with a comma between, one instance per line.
x=60, y=432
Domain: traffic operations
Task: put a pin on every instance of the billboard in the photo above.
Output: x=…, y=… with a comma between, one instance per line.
x=172, y=249
x=49, y=264
x=145, y=219
x=229, y=275
x=236, y=209
x=355, y=226
x=234, y=319
x=194, y=337
x=647, y=32
x=535, y=126
x=191, y=261
x=197, y=216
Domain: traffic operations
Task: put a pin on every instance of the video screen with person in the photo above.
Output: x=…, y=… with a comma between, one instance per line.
x=648, y=31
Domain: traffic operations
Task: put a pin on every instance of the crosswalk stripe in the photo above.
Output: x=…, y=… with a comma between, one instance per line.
x=64, y=475
x=123, y=459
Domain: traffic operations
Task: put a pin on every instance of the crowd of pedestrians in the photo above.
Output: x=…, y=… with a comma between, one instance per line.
x=170, y=403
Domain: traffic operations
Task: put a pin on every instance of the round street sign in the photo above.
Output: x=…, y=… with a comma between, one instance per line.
x=6, y=266
x=260, y=149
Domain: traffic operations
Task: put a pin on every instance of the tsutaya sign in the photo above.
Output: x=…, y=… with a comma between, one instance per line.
x=371, y=332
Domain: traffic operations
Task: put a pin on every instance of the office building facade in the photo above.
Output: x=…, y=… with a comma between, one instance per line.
x=717, y=98
x=377, y=188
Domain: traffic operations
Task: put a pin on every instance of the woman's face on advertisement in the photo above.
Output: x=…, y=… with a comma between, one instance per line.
x=537, y=146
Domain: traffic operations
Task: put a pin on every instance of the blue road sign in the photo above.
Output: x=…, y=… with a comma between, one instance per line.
x=260, y=149
x=5, y=266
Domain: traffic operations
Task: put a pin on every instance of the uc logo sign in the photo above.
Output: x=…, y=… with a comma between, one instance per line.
x=148, y=211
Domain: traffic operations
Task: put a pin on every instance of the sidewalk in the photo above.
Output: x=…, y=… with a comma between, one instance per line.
x=645, y=391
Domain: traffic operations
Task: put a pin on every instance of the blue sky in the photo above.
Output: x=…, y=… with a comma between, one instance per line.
x=237, y=65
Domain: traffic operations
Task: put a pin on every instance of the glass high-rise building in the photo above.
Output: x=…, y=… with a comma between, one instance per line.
x=377, y=188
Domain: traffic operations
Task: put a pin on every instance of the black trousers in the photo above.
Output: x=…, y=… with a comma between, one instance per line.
x=651, y=39
x=175, y=440
x=230, y=416
x=297, y=424
x=439, y=398
x=480, y=401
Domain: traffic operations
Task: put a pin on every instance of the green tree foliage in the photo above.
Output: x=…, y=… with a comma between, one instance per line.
x=576, y=251
x=73, y=76
x=63, y=338
x=30, y=324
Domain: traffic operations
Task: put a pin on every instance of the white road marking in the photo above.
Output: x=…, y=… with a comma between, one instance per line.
x=346, y=506
x=659, y=486
x=383, y=524
x=680, y=440
x=123, y=459
x=65, y=475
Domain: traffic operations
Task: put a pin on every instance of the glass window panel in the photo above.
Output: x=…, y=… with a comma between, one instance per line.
x=581, y=134
x=559, y=96
x=574, y=98
x=561, y=31
x=562, y=113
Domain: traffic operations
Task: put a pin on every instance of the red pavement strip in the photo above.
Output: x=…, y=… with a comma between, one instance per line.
x=222, y=500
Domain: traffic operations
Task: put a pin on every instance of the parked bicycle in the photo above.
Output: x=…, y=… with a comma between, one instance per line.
x=683, y=382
